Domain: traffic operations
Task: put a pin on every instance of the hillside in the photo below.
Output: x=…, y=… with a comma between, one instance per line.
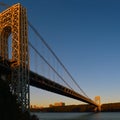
x=110, y=107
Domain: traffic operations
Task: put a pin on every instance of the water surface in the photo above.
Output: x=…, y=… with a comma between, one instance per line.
x=79, y=116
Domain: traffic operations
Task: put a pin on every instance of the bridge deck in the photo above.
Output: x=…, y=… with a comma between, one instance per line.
x=46, y=84
x=49, y=85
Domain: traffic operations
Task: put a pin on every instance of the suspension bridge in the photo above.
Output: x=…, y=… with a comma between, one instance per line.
x=24, y=62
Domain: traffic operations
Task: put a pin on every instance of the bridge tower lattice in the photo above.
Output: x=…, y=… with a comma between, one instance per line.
x=13, y=21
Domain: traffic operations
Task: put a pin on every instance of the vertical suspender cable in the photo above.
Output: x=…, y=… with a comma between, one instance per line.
x=41, y=38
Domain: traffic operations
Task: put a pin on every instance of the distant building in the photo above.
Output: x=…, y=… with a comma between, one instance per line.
x=36, y=107
x=51, y=105
x=57, y=104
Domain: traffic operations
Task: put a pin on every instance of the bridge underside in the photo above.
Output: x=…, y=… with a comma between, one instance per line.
x=46, y=84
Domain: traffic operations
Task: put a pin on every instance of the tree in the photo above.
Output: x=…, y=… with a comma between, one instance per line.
x=9, y=108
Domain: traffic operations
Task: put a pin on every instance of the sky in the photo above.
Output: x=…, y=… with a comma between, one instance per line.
x=85, y=35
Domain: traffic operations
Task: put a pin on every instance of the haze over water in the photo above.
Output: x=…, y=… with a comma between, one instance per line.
x=79, y=116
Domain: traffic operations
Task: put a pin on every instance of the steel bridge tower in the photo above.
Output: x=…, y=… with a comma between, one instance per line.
x=13, y=21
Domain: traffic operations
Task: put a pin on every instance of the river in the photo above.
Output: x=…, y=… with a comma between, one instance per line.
x=79, y=116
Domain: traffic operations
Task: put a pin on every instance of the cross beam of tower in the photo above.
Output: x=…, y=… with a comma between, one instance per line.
x=13, y=21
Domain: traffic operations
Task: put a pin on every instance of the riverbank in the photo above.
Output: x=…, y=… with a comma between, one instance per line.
x=109, y=107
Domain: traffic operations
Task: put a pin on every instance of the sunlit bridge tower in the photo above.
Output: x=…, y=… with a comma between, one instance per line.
x=98, y=101
x=13, y=21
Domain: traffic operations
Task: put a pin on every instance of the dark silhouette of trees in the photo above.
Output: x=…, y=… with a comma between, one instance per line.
x=69, y=108
x=110, y=107
x=9, y=108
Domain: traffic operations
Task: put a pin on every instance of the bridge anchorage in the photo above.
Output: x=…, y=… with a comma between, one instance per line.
x=13, y=21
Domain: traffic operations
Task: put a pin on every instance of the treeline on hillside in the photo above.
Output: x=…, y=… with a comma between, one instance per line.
x=110, y=107
x=69, y=108
x=9, y=108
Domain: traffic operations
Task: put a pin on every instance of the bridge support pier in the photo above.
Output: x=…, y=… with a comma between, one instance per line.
x=97, y=109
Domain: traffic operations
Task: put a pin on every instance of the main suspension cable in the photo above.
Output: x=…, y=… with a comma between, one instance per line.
x=49, y=65
x=44, y=42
